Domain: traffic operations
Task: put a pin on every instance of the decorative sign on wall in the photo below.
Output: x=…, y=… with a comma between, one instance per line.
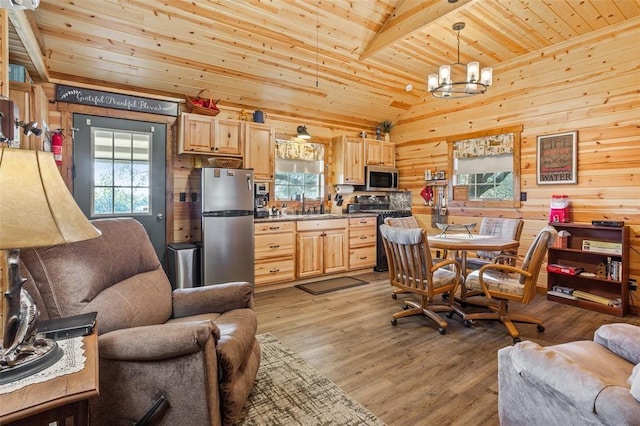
x=82, y=96
x=557, y=158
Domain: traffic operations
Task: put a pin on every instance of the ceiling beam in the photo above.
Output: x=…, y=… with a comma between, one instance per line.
x=410, y=16
x=29, y=36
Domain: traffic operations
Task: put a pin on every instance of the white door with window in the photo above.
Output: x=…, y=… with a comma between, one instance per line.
x=119, y=171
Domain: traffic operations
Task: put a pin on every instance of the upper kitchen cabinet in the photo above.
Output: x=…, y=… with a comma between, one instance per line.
x=228, y=137
x=348, y=157
x=380, y=153
x=259, y=150
x=33, y=105
x=202, y=134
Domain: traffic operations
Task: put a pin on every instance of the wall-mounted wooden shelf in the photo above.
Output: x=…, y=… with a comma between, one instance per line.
x=436, y=182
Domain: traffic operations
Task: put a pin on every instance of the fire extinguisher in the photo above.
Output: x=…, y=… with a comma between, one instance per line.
x=56, y=146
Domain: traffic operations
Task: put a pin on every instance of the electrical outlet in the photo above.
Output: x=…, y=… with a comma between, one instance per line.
x=523, y=196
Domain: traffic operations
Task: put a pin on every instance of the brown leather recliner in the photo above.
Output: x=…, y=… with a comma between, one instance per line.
x=196, y=346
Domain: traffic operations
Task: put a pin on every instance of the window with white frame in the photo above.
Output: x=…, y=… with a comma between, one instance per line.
x=487, y=168
x=121, y=172
x=299, y=171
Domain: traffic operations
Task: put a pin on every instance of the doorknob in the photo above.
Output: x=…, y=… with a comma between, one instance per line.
x=159, y=216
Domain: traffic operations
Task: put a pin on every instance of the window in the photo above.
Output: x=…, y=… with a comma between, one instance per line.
x=121, y=170
x=299, y=171
x=485, y=168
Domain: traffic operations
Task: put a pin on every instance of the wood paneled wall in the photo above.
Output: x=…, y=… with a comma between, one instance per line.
x=590, y=84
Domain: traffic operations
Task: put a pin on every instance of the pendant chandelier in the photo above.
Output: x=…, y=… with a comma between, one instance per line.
x=449, y=84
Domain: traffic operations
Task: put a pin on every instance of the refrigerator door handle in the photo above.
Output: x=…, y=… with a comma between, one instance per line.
x=249, y=183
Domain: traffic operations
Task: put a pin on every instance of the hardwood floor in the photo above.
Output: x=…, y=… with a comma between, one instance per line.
x=409, y=374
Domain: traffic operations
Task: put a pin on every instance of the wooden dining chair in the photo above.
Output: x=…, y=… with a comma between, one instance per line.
x=503, y=282
x=411, y=269
x=498, y=227
x=408, y=222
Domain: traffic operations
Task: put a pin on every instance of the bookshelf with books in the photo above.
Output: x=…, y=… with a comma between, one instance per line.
x=590, y=268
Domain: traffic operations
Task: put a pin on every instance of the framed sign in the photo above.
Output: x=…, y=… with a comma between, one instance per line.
x=557, y=159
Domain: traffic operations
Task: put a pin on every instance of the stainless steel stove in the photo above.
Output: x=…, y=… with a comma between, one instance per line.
x=383, y=206
x=381, y=257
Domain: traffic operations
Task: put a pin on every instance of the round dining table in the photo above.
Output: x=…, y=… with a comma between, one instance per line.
x=465, y=242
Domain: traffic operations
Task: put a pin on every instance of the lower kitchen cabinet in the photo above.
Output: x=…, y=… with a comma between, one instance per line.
x=274, y=252
x=362, y=242
x=322, y=247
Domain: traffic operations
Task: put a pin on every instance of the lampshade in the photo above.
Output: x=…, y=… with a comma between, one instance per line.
x=36, y=208
x=302, y=132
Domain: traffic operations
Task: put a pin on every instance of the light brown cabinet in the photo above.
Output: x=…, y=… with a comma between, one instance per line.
x=259, y=150
x=322, y=247
x=362, y=242
x=380, y=153
x=202, y=134
x=228, y=139
x=274, y=252
x=348, y=158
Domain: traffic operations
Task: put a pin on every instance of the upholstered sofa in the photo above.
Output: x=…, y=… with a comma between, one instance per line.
x=578, y=383
x=195, y=346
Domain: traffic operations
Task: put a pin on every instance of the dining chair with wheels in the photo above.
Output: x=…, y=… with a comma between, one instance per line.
x=409, y=222
x=498, y=227
x=411, y=270
x=503, y=282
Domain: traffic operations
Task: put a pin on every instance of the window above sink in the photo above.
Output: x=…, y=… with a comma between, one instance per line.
x=299, y=171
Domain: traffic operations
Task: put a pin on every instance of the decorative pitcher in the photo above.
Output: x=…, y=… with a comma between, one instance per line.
x=259, y=116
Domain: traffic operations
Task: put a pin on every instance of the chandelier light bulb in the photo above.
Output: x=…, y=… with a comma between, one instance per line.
x=445, y=74
x=487, y=76
x=473, y=71
x=432, y=82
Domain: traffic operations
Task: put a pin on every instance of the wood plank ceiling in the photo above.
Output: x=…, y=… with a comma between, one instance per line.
x=337, y=62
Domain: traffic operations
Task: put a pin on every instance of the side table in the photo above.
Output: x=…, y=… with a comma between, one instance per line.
x=57, y=399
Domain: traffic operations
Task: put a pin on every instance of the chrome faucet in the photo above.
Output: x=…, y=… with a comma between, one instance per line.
x=303, y=203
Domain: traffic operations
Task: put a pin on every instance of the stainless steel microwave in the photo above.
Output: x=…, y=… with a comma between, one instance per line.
x=381, y=178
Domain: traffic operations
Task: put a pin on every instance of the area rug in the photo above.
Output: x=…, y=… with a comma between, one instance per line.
x=332, y=284
x=288, y=391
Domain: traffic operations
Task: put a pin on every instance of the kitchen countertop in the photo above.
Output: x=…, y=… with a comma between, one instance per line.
x=289, y=217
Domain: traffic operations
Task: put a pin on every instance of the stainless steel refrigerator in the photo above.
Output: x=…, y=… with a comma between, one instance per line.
x=227, y=225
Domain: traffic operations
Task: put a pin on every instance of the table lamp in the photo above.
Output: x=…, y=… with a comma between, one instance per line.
x=36, y=210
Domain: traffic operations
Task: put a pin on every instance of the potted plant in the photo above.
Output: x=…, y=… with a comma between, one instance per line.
x=386, y=126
